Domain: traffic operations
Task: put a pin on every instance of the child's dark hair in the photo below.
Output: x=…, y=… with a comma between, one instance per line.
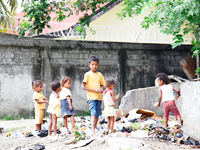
x=55, y=85
x=93, y=58
x=110, y=82
x=64, y=80
x=164, y=77
x=35, y=84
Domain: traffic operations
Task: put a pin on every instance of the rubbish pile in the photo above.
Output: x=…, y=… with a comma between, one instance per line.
x=137, y=123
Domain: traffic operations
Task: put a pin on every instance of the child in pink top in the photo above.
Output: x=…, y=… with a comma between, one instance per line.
x=109, y=102
x=167, y=97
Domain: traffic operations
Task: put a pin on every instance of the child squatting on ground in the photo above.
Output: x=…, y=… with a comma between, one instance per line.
x=67, y=108
x=93, y=83
x=109, y=101
x=40, y=101
x=167, y=97
x=54, y=108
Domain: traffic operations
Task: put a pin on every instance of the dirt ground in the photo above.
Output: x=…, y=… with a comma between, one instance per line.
x=17, y=126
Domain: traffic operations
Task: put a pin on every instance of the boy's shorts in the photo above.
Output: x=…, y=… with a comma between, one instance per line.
x=95, y=107
x=39, y=113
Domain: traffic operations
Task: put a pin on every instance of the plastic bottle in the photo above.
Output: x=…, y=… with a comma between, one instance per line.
x=14, y=135
x=117, y=96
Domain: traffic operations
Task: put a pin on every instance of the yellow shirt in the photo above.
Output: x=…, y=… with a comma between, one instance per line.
x=40, y=97
x=93, y=81
x=54, y=106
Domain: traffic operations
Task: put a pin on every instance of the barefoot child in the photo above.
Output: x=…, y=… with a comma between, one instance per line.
x=93, y=82
x=167, y=97
x=109, y=102
x=67, y=108
x=40, y=101
x=54, y=109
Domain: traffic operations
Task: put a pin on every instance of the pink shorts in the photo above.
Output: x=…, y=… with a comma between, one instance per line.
x=170, y=106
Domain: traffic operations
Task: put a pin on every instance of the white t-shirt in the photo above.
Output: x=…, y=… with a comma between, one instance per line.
x=64, y=93
x=167, y=93
x=108, y=101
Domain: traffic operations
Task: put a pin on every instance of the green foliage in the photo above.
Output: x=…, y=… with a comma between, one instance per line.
x=86, y=113
x=78, y=136
x=38, y=14
x=135, y=126
x=8, y=117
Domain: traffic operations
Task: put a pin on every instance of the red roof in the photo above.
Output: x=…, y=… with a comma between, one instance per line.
x=58, y=26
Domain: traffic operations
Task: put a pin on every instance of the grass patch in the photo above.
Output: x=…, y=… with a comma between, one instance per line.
x=13, y=129
x=15, y=117
x=86, y=113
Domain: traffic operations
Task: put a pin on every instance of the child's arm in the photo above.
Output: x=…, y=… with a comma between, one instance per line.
x=41, y=102
x=113, y=96
x=160, y=97
x=69, y=102
x=177, y=96
x=89, y=89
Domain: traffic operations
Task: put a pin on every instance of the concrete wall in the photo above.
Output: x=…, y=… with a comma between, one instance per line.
x=190, y=94
x=24, y=60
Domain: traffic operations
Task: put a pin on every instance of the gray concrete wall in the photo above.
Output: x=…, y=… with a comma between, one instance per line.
x=144, y=98
x=24, y=60
x=190, y=94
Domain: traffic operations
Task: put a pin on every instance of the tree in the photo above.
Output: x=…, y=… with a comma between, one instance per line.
x=175, y=17
x=38, y=13
x=7, y=11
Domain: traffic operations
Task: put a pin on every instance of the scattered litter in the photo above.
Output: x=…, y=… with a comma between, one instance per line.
x=1, y=130
x=72, y=140
x=18, y=148
x=43, y=133
x=8, y=134
x=82, y=143
x=15, y=135
x=27, y=130
x=28, y=135
x=37, y=147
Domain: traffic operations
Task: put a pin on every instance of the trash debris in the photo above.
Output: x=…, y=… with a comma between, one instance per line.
x=140, y=113
x=18, y=148
x=37, y=147
x=43, y=133
x=8, y=134
x=44, y=121
x=82, y=143
x=1, y=130
x=27, y=130
x=28, y=135
x=72, y=140
x=14, y=135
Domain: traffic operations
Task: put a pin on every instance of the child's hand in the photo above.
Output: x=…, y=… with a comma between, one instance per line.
x=176, y=97
x=70, y=108
x=47, y=102
x=44, y=98
x=98, y=90
x=156, y=104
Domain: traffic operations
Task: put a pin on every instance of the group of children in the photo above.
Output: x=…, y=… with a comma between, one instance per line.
x=60, y=105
